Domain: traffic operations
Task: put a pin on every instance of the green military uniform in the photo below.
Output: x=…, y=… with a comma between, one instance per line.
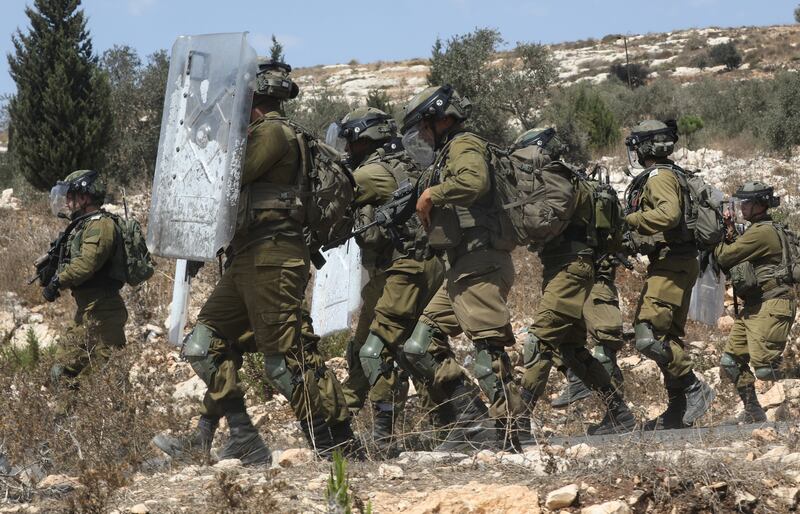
x=94, y=270
x=673, y=268
x=480, y=275
x=401, y=283
x=264, y=289
x=759, y=334
x=601, y=311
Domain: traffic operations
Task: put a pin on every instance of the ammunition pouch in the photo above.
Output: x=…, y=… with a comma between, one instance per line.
x=744, y=281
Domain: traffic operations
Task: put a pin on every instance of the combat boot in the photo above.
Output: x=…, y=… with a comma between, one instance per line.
x=618, y=419
x=574, y=391
x=699, y=397
x=196, y=442
x=383, y=430
x=508, y=434
x=753, y=412
x=672, y=418
x=525, y=422
x=325, y=438
x=244, y=442
x=472, y=429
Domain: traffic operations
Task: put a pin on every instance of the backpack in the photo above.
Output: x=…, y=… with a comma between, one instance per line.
x=537, y=202
x=330, y=190
x=702, y=211
x=788, y=272
x=139, y=265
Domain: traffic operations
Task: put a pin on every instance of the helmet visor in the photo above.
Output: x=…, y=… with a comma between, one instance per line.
x=417, y=148
x=633, y=158
x=58, y=198
x=335, y=138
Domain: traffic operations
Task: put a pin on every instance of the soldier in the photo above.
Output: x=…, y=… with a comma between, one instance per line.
x=93, y=268
x=263, y=290
x=759, y=334
x=604, y=325
x=657, y=205
x=456, y=207
x=558, y=331
x=403, y=272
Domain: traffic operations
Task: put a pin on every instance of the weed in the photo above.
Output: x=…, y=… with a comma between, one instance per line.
x=339, y=500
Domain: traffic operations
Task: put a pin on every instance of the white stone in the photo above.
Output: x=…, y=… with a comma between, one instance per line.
x=8, y=201
x=390, y=471
x=191, y=390
x=774, y=455
x=629, y=362
x=772, y=398
x=295, y=457
x=429, y=457
x=228, y=464
x=59, y=481
x=612, y=507
x=580, y=451
x=791, y=460
x=725, y=323
x=561, y=498
x=139, y=508
x=786, y=496
x=43, y=333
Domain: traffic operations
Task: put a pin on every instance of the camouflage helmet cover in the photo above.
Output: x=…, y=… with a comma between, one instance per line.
x=653, y=138
x=367, y=123
x=433, y=103
x=755, y=191
x=272, y=79
x=86, y=181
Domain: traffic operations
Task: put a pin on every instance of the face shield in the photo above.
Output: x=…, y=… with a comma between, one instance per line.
x=418, y=148
x=58, y=199
x=733, y=211
x=334, y=137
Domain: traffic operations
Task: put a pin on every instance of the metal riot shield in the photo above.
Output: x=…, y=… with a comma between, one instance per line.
x=337, y=289
x=201, y=150
x=708, y=297
x=179, y=307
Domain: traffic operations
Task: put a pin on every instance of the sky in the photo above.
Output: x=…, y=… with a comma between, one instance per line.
x=328, y=32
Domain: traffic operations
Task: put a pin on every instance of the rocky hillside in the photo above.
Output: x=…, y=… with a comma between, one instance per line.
x=676, y=55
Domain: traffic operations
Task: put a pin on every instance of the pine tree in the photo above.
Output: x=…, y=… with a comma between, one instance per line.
x=60, y=117
x=276, y=50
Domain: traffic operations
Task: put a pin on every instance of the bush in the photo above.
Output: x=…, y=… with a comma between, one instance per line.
x=317, y=113
x=638, y=73
x=725, y=54
x=783, y=119
x=379, y=99
x=584, y=122
x=688, y=125
x=797, y=14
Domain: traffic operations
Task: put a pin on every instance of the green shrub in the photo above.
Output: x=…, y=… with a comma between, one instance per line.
x=797, y=14
x=635, y=73
x=782, y=128
x=725, y=54
x=584, y=122
x=379, y=99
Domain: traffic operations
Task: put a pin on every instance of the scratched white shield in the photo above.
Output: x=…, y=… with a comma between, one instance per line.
x=201, y=150
x=337, y=289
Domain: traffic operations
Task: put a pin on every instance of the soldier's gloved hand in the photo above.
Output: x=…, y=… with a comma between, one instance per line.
x=193, y=267
x=50, y=291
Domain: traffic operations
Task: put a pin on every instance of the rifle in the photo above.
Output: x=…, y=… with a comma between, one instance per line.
x=47, y=264
x=394, y=212
x=617, y=258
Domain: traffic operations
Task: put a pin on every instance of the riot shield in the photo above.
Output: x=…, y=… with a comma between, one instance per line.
x=337, y=289
x=201, y=149
x=708, y=297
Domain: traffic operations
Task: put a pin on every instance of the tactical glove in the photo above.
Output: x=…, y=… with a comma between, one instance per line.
x=50, y=291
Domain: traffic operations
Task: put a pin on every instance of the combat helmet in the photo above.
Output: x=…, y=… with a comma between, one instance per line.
x=272, y=79
x=81, y=181
x=433, y=103
x=367, y=123
x=758, y=192
x=652, y=139
x=545, y=138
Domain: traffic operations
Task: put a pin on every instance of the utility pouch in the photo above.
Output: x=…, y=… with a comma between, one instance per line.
x=445, y=232
x=744, y=281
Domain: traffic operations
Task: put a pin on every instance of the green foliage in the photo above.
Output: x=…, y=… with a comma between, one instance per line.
x=335, y=344
x=689, y=124
x=635, y=73
x=276, y=50
x=797, y=14
x=725, y=54
x=782, y=121
x=137, y=102
x=513, y=91
x=318, y=112
x=26, y=357
x=60, y=116
x=379, y=99
x=339, y=501
x=584, y=122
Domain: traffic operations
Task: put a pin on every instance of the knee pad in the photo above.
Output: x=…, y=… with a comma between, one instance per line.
x=197, y=343
x=415, y=351
x=531, y=350
x=204, y=368
x=278, y=374
x=604, y=354
x=730, y=367
x=370, y=358
x=650, y=346
x=484, y=373
x=770, y=373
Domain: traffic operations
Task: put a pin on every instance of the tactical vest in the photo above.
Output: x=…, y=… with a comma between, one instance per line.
x=678, y=238
x=112, y=273
x=267, y=208
x=463, y=229
x=756, y=282
x=409, y=239
x=580, y=237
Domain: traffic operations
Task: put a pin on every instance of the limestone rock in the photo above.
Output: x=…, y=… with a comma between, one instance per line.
x=476, y=497
x=295, y=457
x=63, y=482
x=612, y=507
x=725, y=323
x=8, y=201
x=786, y=496
x=767, y=435
x=140, y=508
x=772, y=398
x=646, y=367
x=429, y=457
x=561, y=498
x=228, y=464
x=390, y=471
x=629, y=362
x=580, y=451
x=44, y=335
x=190, y=390
x=791, y=460
x=774, y=455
